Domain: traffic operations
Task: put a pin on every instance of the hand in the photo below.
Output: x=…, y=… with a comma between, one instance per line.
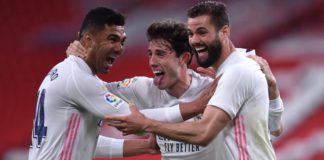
x=207, y=72
x=131, y=124
x=208, y=92
x=76, y=49
x=153, y=144
x=271, y=80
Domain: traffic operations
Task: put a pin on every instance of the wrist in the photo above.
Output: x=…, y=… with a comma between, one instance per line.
x=276, y=105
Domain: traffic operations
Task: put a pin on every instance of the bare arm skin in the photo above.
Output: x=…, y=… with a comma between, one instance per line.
x=128, y=125
x=201, y=132
x=191, y=109
x=76, y=49
x=133, y=147
x=272, y=85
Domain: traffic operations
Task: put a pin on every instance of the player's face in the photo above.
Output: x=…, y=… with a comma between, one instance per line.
x=106, y=45
x=204, y=39
x=164, y=64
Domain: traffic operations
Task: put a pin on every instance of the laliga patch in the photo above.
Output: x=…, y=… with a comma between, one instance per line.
x=113, y=100
x=126, y=83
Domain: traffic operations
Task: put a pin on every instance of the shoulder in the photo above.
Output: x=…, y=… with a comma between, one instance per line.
x=197, y=78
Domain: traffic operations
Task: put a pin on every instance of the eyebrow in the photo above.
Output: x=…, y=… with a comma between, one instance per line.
x=113, y=35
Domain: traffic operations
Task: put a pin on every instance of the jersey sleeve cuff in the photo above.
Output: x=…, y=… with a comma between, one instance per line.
x=109, y=147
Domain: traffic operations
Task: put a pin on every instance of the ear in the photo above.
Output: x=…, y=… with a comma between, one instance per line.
x=185, y=57
x=225, y=32
x=87, y=39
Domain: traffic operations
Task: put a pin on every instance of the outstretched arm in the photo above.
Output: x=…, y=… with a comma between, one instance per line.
x=200, y=132
x=113, y=148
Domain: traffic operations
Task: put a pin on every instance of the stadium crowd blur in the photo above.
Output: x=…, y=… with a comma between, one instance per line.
x=289, y=34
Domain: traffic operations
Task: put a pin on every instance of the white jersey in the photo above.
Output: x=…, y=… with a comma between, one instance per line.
x=242, y=93
x=145, y=94
x=71, y=102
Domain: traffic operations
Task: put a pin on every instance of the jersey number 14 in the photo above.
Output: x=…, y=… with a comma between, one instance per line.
x=40, y=131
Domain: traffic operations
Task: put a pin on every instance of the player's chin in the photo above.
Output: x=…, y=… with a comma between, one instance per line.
x=161, y=86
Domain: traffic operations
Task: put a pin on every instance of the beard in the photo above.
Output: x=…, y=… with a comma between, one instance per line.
x=214, y=51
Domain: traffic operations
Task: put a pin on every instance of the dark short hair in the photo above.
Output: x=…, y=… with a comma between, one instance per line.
x=173, y=32
x=97, y=18
x=217, y=11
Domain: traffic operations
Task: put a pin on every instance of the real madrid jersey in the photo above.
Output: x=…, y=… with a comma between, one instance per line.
x=145, y=94
x=71, y=102
x=242, y=93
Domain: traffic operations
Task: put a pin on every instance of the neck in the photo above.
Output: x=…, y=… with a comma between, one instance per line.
x=181, y=86
x=89, y=59
x=227, y=49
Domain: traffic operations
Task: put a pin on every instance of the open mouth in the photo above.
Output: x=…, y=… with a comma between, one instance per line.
x=110, y=60
x=158, y=77
x=201, y=49
x=158, y=73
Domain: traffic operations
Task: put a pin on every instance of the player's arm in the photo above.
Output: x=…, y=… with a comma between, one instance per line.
x=116, y=148
x=276, y=107
x=175, y=113
x=200, y=132
x=137, y=89
x=214, y=118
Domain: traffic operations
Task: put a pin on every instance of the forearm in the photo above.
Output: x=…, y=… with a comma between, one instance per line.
x=276, y=109
x=200, y=132
x=109, y=147
x=136, y=147
x=189, y=132
x=273, y=90
x=168, y=114
x=177, y=113
x=191, y=109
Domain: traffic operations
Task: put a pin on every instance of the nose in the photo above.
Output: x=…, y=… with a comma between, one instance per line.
x=152, y=61
x=118, y=48
x=194, y=39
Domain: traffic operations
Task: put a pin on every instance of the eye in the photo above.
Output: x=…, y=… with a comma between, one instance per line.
x=123, y=42
x=149, y=53
x=202, y=32
x=160, y=53
x=113, y=39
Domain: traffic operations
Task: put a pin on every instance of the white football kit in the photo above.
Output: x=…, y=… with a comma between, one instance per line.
x=144, y=94
x=71, y=103
x=242, y=93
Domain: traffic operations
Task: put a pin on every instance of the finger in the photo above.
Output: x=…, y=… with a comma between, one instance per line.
x=204, y=75
x=79, y=45
x=115, y=118
x=207, y=71
x=125, y=134
x=117, y=125
x=132, y=107
x=218, y=77
x=120, y=128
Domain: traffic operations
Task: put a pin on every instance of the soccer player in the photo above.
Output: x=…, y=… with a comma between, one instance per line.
x=72, y=100
x=236, y=118
x=169, y=54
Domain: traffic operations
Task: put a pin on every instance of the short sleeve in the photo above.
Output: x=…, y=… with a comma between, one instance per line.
x=232, y=90
x=91, y=94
